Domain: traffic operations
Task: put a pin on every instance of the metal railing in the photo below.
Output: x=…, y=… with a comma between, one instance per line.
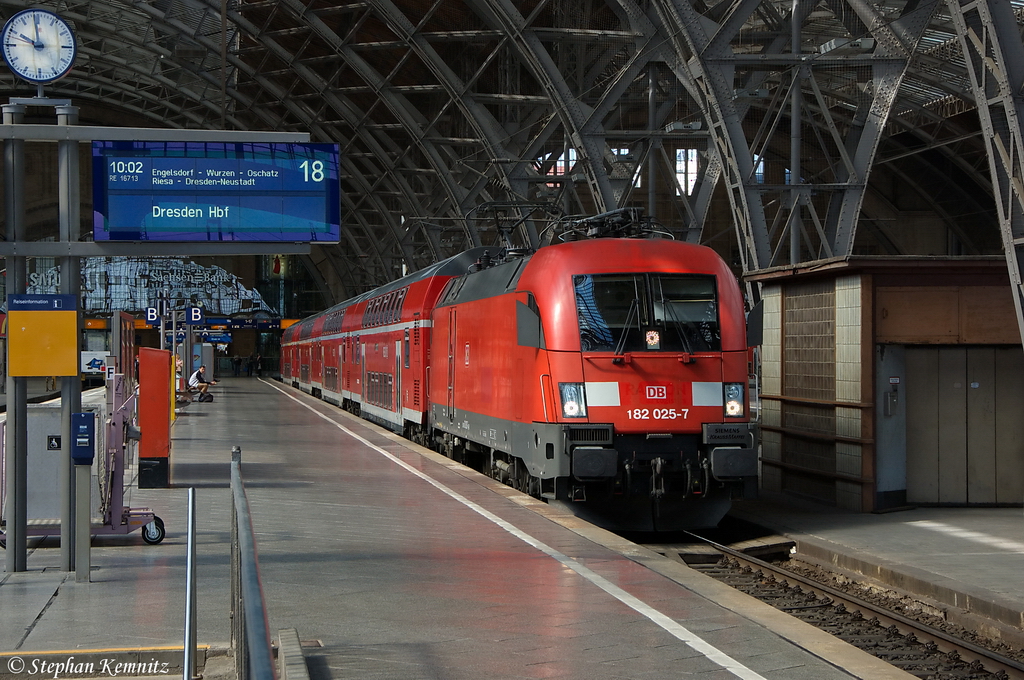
x=189, y=660
x=250, y=628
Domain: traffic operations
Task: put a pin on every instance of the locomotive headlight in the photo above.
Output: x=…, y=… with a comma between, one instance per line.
x=734, y=400
x=574, y=400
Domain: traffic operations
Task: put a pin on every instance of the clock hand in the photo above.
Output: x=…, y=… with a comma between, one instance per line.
x=26, y=38
x=35, y=20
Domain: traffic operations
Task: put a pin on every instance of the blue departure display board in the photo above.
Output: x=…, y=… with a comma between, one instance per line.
x=215, y=191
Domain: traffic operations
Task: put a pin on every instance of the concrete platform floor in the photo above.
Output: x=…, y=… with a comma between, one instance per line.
x=393, y=562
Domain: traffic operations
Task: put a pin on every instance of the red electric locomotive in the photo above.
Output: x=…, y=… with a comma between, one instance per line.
x=608, y=374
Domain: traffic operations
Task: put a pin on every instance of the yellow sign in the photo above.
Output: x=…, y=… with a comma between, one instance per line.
x=42, y=343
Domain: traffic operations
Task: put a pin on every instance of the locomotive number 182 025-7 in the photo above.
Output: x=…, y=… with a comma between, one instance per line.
x=657, y=413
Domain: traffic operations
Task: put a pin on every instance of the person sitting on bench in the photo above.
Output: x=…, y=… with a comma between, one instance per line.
x=198, y=381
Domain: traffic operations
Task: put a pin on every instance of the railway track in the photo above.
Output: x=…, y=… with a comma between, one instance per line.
x=913, y=646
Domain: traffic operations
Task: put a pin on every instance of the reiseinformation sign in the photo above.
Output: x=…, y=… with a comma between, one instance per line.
x=42, y=335
x=203, y=191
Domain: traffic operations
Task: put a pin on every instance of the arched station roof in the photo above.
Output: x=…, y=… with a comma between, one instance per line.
x=795, y=130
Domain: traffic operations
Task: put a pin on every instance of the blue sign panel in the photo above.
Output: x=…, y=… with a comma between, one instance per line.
x=41, y=303
x=216, y=337
x=198, y=191
x=243, y=323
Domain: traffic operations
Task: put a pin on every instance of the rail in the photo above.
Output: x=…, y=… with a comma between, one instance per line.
x=991, y=661
x=250, y=628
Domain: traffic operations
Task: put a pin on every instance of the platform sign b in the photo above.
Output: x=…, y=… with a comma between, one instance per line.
x=194, y=316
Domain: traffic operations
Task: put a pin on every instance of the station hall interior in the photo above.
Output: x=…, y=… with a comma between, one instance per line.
x=857, y=165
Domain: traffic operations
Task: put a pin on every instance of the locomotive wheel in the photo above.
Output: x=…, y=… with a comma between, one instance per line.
x=534, y=487
x=154, y=532
x=522, y=477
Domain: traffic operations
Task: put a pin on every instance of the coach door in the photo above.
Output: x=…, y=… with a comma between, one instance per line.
x=451, y=363
x=965, y=434
x=362, y=370
x=398, y=376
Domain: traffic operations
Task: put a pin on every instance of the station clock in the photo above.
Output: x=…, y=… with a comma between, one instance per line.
x=38, y=45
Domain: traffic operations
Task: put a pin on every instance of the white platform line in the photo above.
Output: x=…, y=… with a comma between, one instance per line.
x=669, y=624
x=968, y=535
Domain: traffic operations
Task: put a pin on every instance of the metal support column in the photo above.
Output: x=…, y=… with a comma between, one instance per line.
x=990, y=39
x=795, y=141
x=654, y=142
x=16, y=472
x=83, y=538
x=189, y=664
x=70, y=284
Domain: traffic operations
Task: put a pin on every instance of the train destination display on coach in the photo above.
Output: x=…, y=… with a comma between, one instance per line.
x=202, y=191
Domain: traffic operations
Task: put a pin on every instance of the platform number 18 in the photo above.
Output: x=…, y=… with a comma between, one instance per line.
x=312, y=171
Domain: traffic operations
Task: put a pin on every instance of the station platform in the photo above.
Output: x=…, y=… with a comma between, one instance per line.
x=391, y=561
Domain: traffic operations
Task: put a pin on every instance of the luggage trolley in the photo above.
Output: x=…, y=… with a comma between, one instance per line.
x=115, y=517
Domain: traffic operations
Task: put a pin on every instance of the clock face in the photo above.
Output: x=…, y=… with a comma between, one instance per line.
x=38, y=45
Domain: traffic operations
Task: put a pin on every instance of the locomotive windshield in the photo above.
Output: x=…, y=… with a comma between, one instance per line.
x=647, y=312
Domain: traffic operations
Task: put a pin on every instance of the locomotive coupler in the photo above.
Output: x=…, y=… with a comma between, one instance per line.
x=693, y=485
x=701, y=485
x=657, y=478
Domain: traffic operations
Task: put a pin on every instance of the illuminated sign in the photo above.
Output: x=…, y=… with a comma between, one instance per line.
x=202, y=191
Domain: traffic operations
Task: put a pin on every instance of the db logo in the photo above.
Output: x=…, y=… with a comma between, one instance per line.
x=657, y=392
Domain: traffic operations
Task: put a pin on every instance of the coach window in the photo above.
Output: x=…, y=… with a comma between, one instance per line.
x=451, y=294
x=375, y=317
x=392, y=304
x=406, y=347
x=390, y=314
x=377, y=305
x=400, y=303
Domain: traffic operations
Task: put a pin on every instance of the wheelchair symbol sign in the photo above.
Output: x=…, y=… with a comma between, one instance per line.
x=53, y=442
